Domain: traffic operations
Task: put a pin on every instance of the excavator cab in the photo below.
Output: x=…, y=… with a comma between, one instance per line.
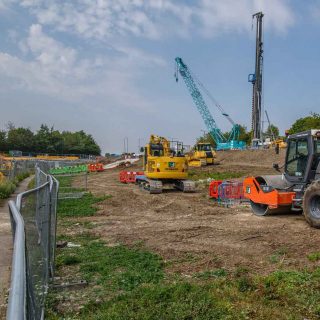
x=298, y=188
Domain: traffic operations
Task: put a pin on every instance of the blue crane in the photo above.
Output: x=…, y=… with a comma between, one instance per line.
x=223, y=143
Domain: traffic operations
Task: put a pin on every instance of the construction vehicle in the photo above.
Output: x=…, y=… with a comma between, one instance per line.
x=202, y=154
x=298, y=188
x=164, y=165
x=280, y=142
x=275, y=141
x=232, y=141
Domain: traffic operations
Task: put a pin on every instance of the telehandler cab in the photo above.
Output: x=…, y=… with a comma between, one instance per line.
x=298, y=188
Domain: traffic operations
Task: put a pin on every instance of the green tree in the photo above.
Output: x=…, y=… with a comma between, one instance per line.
x=21, y=139
x=306, y=123
x=3, y=141
x=272, y=130
x=42, y=138
x=207, y=138
x=245, y=135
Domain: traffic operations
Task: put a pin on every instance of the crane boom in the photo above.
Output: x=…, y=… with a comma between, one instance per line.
x=222, y=142
x=196, y=95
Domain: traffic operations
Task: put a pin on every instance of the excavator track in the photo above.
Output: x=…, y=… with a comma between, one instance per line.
x=152, y=186
x=186, y=185
x=155, y=186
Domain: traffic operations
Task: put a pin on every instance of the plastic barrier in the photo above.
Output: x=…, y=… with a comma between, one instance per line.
x=69, y=169
x=231, y=190
x=95, y=167
x=213, y=188
x=129, y=176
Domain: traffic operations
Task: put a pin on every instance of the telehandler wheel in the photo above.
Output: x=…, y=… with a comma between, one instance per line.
x=311, y=204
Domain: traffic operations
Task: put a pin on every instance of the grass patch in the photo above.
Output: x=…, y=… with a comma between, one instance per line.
x=82, y=207
x=278, y=255
x=202, y=175
x=315, y=256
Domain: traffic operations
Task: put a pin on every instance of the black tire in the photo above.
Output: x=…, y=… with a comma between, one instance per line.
x=311, y=204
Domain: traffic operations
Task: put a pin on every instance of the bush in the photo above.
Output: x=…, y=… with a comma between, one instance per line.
x=6, y=189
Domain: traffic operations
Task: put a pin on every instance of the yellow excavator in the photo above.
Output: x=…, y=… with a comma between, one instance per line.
x=201, y=155
x=164, y=164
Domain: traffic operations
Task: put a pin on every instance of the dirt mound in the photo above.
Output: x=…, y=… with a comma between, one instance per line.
x=263, y=158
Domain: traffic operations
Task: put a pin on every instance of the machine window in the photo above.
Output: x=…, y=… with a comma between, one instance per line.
x=297, y=158
x=205, y=147
x=317, y=146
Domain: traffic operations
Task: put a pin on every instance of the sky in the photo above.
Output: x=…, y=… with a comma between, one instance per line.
x=107, y=66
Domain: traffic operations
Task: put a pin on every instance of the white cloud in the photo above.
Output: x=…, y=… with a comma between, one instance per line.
x=157, y=18
x=59, y=71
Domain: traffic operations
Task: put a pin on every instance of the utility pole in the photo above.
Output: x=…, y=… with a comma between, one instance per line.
x=256, y=80
x=125, y=145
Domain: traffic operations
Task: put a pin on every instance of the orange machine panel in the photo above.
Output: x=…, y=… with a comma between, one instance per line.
x=253, y=191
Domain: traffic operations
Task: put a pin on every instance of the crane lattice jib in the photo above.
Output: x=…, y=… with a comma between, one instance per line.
x=199, y=102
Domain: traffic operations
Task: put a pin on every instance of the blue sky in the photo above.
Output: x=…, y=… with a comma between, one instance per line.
x=107, y=66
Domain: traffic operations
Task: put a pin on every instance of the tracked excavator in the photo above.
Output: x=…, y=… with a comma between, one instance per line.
x=298, y=188
x=164, y=165
x=201, y=155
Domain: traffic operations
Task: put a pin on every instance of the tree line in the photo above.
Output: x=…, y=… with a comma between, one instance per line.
x=47, y=140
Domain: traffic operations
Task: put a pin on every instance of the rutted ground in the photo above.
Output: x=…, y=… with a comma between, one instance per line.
x=196, y=234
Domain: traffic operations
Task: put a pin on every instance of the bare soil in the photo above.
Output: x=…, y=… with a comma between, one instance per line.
x=194, y=233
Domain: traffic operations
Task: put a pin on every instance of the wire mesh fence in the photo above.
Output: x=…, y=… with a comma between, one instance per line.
x=33, y=218
x=231, y=193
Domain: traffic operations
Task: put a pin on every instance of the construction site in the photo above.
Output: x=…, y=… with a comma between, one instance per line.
x=225, y=228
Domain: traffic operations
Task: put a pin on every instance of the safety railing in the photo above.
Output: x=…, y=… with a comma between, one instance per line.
x=33, y=219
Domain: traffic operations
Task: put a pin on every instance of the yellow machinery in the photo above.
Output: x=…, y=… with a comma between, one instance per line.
x=164, y=164
x=201, y=155
x=282, y=144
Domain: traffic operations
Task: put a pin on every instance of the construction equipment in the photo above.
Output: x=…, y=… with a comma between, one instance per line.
x=164, y=165
x=257, y=80
x=201, y=155
x=275, y=141
x=280, y=142
x=297, y=188
x=223, y=143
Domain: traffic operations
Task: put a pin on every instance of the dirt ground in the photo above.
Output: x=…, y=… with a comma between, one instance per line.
x=195, y=233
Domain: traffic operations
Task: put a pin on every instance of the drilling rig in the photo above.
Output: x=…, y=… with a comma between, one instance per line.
x=256, y=80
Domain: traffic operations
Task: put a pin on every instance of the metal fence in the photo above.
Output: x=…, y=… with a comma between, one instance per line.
x=11, y=169
x=33, y=219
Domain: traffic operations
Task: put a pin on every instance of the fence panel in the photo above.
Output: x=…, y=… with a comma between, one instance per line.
x=33, y=219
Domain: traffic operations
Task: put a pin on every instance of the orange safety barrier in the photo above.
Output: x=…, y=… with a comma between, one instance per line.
x=214, y=188
x=129, y=176
x=95, y=167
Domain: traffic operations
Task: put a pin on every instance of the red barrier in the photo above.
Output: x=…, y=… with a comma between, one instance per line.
x=213, y=189
x=129, y=176
x=95, y=167
x=231, y=190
